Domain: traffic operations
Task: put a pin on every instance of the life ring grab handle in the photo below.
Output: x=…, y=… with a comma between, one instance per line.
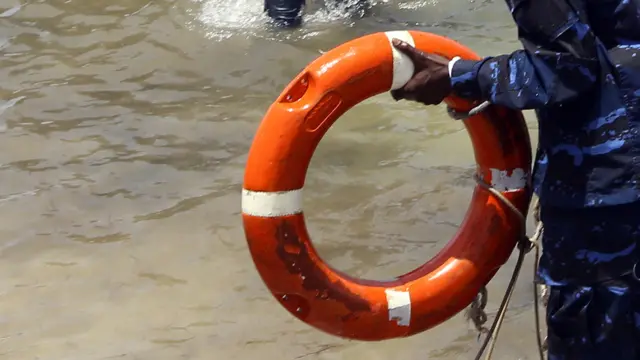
x=303, y=85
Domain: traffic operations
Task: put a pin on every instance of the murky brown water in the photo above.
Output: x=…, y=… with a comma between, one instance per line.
x=124, y=127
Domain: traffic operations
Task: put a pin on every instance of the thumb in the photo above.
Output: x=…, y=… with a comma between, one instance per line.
x=414, y=54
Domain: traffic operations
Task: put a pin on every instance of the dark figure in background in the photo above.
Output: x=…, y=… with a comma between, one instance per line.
x=285, y=13
x=288, y=13
x=580, y=70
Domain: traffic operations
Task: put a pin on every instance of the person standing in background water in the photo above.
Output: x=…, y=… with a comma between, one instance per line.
x=288, y=13
x=580, y=70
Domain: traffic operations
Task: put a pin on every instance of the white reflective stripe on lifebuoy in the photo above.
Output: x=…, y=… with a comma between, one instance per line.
x=502, y=181
x=402, y=66
x=399, y=306
x=271, y=204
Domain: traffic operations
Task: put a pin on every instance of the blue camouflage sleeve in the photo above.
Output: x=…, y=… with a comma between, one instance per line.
x=559, y=60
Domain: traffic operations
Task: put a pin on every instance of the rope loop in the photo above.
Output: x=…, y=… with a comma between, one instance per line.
x=457, y=115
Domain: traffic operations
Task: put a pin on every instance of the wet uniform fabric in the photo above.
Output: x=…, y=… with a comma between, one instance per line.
x=585, y=92
x=599, y=322
x=580, y=69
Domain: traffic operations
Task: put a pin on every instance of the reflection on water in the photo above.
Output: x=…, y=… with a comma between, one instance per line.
x=124, y=128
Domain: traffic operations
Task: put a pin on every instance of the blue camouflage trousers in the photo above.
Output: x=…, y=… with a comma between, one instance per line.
x=589, y=261
x=598, y=322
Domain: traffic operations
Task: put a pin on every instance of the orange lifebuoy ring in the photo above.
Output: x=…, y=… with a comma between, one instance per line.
x=275, y=173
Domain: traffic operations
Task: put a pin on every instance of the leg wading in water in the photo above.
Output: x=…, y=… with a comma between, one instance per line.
x=285, y=13
x=288, y=13
x=580, y=70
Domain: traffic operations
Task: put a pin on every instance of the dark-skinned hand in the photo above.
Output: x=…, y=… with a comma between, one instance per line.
x=430, y=82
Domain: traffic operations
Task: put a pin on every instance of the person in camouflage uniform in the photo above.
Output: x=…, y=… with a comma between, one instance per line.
x=580, y=70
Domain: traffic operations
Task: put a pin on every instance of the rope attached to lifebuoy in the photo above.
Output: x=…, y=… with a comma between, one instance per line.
x=476, y=312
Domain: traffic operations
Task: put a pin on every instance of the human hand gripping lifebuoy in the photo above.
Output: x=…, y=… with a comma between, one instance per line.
x=430, y=82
